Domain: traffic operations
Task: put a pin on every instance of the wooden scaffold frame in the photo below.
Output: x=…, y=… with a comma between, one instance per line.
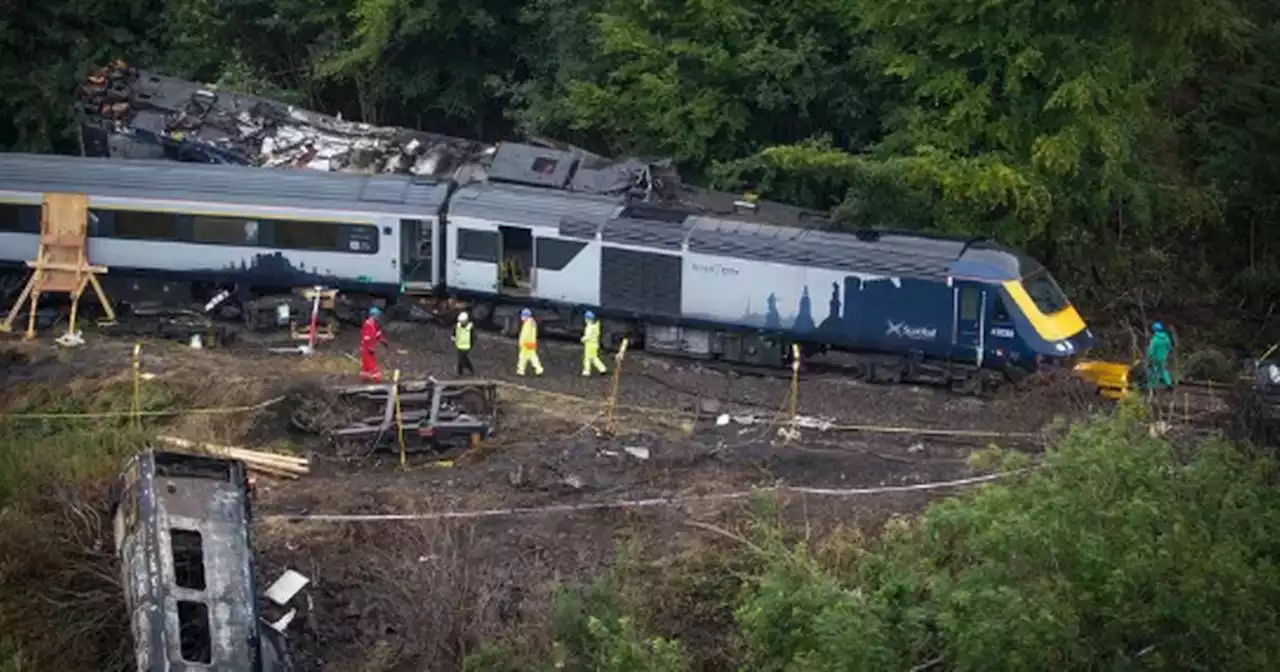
x=62, y=262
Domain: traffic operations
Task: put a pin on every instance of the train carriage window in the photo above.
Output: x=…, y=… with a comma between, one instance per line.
x=195, y=632
x=140, y=225
x=554, y=255
x=188, y=558
x=361, y=238
x=19, y=218
x=297, y=235
x=477, y=245
x=224, y=230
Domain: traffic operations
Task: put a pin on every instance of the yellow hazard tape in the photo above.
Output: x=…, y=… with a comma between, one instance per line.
x=225, y=410
x=231, y=410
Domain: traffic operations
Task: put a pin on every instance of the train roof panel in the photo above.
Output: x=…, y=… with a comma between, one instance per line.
x=210, y=183
x=530, y=206
x=878, y=252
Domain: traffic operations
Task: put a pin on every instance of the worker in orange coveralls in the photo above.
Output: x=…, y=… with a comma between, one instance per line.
x=370, y=336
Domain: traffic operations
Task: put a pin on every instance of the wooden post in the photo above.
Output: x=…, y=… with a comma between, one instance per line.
x=395, y=392
x=610, y=425
x=137, y=386
x=795, y=388
x=62, y=261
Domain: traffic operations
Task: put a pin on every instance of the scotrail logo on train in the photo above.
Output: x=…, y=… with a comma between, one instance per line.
x=903, y=330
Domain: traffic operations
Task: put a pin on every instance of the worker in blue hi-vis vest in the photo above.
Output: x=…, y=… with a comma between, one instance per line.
x=1158, y=358
x=591, y=346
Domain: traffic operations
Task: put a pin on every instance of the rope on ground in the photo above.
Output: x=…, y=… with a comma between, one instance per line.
x=174, y=412
x=871, y=429
x=633, y=503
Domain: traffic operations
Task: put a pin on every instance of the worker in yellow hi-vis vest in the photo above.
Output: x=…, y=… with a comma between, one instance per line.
x=528, y=344
x=462, y=343
x=591, y=346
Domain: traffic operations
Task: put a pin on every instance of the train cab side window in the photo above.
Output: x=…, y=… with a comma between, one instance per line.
x=139, y=225
x=188, y=558
x=19, y=218
x=195, y=633
x=224, y=230
x=297, y=235
x=1000, y=313
x=970, y=303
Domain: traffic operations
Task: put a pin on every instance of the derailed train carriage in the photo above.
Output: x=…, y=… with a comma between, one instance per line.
x=182, y=535
x=727, y=283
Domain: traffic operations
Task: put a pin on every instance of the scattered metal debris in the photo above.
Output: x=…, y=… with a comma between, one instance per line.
x=431, y=412
x=127, y=112
x=131, y=113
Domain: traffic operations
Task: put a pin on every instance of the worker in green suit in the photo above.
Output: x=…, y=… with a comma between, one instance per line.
x=1158, y=358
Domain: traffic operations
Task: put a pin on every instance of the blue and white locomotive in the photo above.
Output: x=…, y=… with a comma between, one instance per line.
x=740, y=283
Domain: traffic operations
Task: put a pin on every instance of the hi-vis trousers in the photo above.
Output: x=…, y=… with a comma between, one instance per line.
x=528, y=356
x=590, y=358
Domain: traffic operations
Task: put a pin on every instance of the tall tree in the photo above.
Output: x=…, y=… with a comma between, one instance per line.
x=49, y=47
x=1026, y=119
x=706, y=80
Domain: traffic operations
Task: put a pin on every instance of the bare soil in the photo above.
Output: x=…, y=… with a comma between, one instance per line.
x=418, y=594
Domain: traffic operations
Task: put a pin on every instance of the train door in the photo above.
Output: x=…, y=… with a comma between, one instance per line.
x=515, y=272
x=416, y=254
x=967, y=333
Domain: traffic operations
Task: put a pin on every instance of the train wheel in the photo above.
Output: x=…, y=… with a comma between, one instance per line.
x=510, y=326
x=968, y=385
x=481, y=313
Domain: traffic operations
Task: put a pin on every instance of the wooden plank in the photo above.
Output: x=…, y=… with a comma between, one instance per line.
x=66, y=221
x=68, y=267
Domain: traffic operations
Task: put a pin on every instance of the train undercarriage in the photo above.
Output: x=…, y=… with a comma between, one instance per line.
x=743, y=351
x=180, y=310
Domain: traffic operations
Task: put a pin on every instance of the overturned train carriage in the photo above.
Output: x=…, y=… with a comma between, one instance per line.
x=182, y=535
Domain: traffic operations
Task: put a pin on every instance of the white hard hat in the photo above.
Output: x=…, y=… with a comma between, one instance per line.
x=462, y=317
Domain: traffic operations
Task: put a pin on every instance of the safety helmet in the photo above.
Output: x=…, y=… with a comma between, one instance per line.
x=589, y=315
x=525, y=313
x=462, y=317
x=1157, y=327
x=375, y=311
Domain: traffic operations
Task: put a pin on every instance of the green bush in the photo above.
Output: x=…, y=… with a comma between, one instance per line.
x=1115, y=555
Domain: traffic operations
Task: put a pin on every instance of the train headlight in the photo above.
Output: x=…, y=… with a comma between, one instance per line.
x=1060, y=347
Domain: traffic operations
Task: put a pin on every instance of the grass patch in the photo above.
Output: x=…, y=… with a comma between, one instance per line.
x=61, y=605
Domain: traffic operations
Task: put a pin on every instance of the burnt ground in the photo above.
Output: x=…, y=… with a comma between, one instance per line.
x=415, y=594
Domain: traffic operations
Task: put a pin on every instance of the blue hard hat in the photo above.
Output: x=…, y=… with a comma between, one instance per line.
x=375, y=311
x=1156, y=326
x=589, y=315
x=526, y=313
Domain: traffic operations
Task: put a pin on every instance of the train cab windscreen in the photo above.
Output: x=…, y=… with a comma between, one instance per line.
x=1045, y=292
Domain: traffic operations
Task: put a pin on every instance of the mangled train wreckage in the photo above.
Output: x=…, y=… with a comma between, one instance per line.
x=188, y=573
x=676, y=269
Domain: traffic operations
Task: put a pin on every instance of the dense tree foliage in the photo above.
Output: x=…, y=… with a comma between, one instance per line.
x=1116, y=140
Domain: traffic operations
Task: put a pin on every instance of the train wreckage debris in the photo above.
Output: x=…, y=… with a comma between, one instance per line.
x=433, y=413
